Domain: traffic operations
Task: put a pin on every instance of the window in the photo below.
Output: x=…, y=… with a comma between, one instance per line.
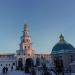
x=25, y=47
x=26, y=40
x=28, y=46
x=9, y=64
x=28, y=54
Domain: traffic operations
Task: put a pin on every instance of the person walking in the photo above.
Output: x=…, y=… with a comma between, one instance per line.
x=3, y=70
x=11, y=68
x=6, y=69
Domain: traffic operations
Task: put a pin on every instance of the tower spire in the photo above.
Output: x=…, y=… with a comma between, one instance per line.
x=61, y=37
x=25, y=27
x=26, y=31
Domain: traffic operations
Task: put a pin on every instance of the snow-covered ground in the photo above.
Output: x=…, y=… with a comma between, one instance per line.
x=15, y=73
x=22, y=73
x=70, y=74
x=73, y=74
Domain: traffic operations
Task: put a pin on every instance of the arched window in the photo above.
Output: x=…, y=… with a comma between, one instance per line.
x=28, y=46
x=25, y=47
x=28, y=54
x=26, y=40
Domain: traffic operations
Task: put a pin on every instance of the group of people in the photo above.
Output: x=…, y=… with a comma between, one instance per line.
x=5, y=70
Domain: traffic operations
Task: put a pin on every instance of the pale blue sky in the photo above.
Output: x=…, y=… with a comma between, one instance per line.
x=47, y=19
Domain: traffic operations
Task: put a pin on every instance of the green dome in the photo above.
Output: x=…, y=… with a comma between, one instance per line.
x=62, y=46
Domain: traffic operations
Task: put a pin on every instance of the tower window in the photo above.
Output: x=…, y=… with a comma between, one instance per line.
x=25, y=47
x=28, y=46
x=28, y=54
x=27, y=40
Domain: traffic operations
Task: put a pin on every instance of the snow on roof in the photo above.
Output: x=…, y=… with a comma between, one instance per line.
x=42, y=52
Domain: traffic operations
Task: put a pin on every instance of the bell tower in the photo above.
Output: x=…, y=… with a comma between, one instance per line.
x=26, y=43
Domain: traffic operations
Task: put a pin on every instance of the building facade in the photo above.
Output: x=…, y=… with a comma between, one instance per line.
x=65, y=52
x=26, y=51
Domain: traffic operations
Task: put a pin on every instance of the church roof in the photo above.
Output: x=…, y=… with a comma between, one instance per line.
x=62, y=45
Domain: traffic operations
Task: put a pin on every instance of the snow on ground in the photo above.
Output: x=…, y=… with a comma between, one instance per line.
x=70, y=74
x=73, y=74
x=15, y=73
x=52, y=72
x=22, y=73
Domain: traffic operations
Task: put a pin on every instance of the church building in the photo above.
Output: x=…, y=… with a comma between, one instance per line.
x=26, y=51
x=64, y=53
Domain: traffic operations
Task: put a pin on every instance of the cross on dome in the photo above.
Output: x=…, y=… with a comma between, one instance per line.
x=61, y=37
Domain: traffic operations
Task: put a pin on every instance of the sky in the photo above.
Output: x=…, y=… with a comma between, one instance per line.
x=46, y=20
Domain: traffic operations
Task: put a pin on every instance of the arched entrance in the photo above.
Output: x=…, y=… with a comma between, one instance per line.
x=20, y=64
x=28, y=65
